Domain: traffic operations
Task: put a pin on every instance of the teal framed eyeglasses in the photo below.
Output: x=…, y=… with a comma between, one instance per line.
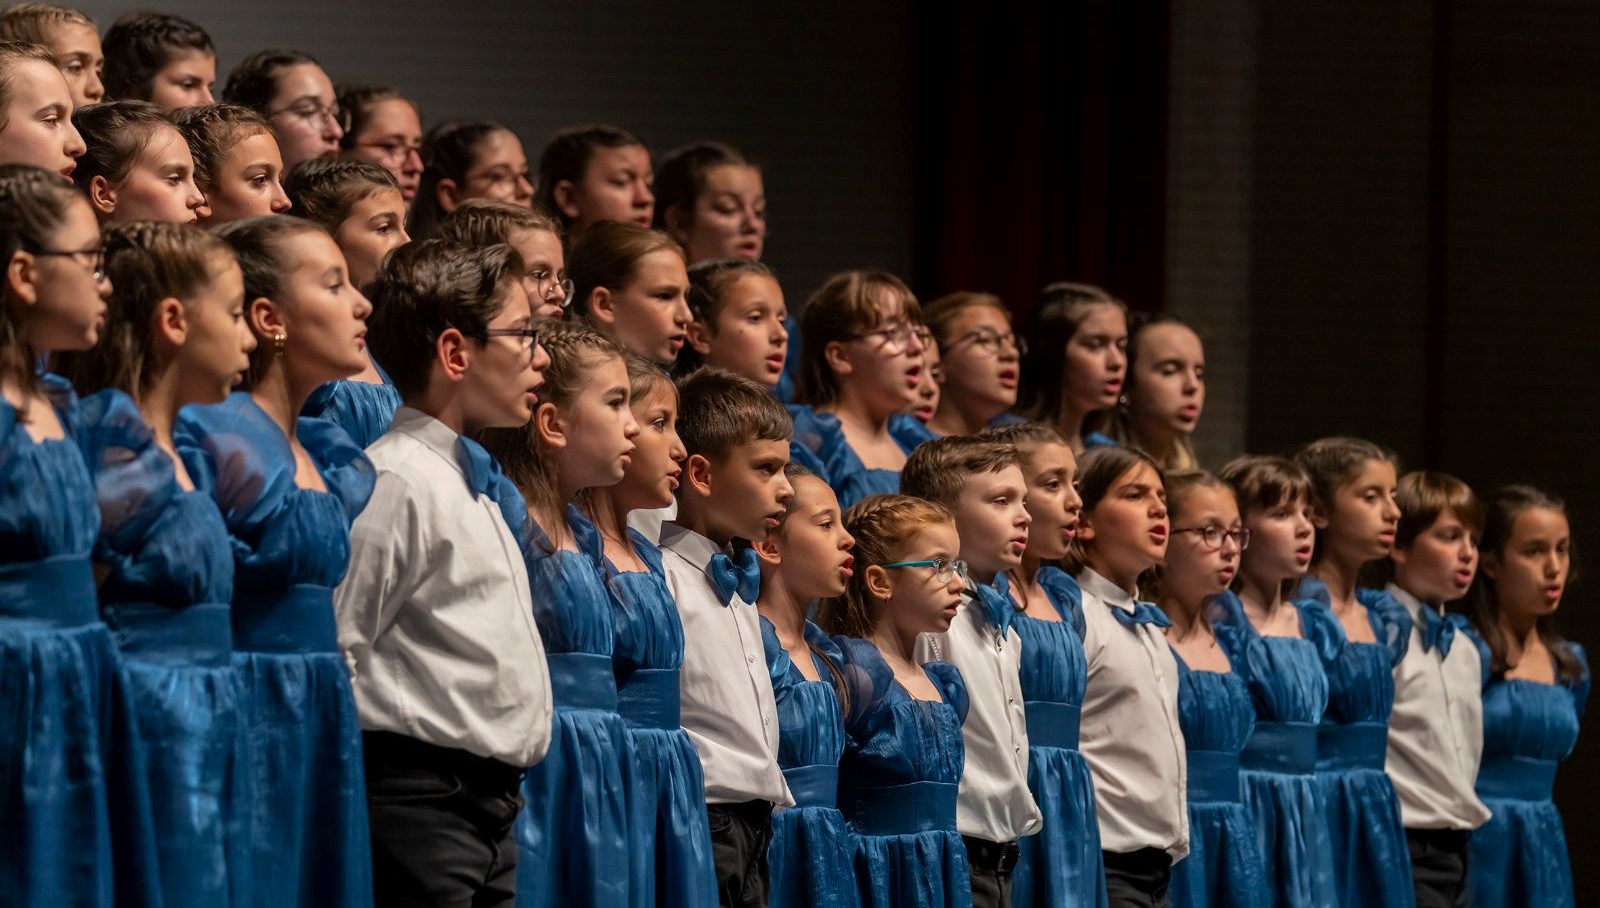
x=944, y=570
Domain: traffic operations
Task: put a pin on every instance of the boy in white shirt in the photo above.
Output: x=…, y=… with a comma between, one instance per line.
x=981, y=482
x=733, y=488
x=435, y=617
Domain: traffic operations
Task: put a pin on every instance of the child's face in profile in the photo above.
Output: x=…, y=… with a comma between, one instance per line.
x=992, y=518
x=1362, y=517
x=38, y=126
x=813, y=547
x=186, y=80
x=748, y=489
x=749, y=337
x=918, y=602
x=247, y=182
x=77, y=50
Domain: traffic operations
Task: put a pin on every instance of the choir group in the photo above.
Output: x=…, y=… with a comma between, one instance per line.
x=388, y=522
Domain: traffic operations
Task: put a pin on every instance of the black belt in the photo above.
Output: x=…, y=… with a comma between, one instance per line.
x=383, y=747
x=997, y=857
x=1454, y=840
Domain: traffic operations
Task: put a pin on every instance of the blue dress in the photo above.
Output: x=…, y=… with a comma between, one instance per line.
x=1061, y=864
x=166, y=596
x=909, y=431
x=364, y=410
x=1371, y=860
x=898, y=780
x=572, y=833
x=819, y=445
x=811, y=852
x=671, y=863
x=291, y=547
x=73, y=794
x=1277, y=767
x=1223, y=869
x=1520, y=857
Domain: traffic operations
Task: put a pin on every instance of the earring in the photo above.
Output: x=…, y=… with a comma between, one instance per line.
x=279, y=339
x=1122, y=401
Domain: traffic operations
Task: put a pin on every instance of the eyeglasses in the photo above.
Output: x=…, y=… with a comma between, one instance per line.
x=944, y=570
x=1212, y=536
x=393, y=152
x=96, y=254
x=313, y=114
x=548, y=285
x=897, y=338
x=529, y=336
x=991, y=343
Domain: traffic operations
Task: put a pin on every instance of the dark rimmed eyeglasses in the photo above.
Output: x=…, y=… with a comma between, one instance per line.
x=897, y=338
x=944, y=569
x=96, y=256
x=1212, y=536
x=992, y=343
x=528, y=337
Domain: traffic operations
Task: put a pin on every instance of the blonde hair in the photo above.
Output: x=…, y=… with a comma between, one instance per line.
x=882, y=526
x=30, y=23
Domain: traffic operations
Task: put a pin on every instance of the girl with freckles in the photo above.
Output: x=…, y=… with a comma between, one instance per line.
x=1165, y=390
x=138, y=166
x=1224, y=867
x=1536, y=684
x=1077, y=361
x=1362, y=635
x=807, y=558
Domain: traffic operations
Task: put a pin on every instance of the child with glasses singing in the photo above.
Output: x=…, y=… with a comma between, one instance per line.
x=903, y=757
x=530, y=231
x=384, y=127
x=981, y=482
x=861, y=365
x=981, y=357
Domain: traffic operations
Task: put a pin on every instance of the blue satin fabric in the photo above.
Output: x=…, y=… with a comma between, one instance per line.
x=1519, y=857
x=1060, y=864
x=73, y=776
x=165, y=595
x=819, y=445
x=307, y=820
x=670, y=861
x=1371, y=861
x=572, y=834
x=810, y=855
x=1277, y=766
x=898, y=781
x=362, y=409
x=1224, y=867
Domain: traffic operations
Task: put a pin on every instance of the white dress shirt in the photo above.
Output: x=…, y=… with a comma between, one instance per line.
x=993, y=803
x=1130, y=734
x=435, y=617
x=724, y=687
x=1436, y=730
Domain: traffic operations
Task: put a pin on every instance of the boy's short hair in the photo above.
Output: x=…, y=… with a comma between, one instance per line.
x=31, y=22
x=1426, y=495
x=140, y=43
x=426, y=288
x=719, y=411
x=938, y=470
x=484, y=222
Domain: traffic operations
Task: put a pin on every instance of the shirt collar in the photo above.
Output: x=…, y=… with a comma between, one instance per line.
x=433, y=434
x=693, y=547
x=1104, y=590
x=1412, y=603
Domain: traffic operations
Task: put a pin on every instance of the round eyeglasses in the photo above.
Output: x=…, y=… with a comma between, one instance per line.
x=1212, y=536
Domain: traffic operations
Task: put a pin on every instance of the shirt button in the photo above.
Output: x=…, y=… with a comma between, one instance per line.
x=1012, y=700
x=750, y=658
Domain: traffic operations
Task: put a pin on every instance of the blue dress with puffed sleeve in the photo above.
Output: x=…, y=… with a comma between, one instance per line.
x=1061, y=863
x=811, y=852
x=364, y=410
x=897, y=782
x=1371, y=860
x=1519, y=857
x=819, y=444
x=166, y=596
x=670, y=837
x=291, y=547
x=1278, y=764
x=73, y=777
x=572, y=832
x=1223, y=869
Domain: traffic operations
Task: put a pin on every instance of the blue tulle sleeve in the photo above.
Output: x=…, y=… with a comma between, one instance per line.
x=364, y=410
x=1225, y=611
x=909, y=432
x=134, y=479
x=807, y=441
x=1065, y=595
x=947, y=678
x=867, y=681
x=1390, y=621
x=1321, y=625
x=344, y=465
x=1580, y=687
x=46, y=505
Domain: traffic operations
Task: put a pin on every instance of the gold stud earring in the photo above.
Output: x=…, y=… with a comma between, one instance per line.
x=279, y=339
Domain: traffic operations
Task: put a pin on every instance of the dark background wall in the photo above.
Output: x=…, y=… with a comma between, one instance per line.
x=1382, y=215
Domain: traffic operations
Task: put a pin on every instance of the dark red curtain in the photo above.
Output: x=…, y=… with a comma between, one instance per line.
x=1042, y=149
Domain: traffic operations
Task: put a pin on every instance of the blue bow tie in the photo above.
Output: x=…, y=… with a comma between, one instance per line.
x=478, y=464
x=995, y=598
x=1439, y=631
x=1143, y=613
x=740, y=574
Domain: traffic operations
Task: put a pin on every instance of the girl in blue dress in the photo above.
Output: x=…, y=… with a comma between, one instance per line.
x=175, y=336
x=903, y=753
x=1061, y=864
x=1077, y=361
x=572, y=833
x=863, y=339
x=288, y=489
x=807, y=558
x=1223, y=869
x=359, y=204
x=477, y=223
x=1362, y=635
x=670, y=863
x=72, y=771
x=1265, y=639
x=1536, y=685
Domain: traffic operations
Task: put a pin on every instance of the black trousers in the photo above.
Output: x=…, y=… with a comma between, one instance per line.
x=1138, y=879
x=441, y=825
x=1439, y=866
x=990, y=865
x=740, y=834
